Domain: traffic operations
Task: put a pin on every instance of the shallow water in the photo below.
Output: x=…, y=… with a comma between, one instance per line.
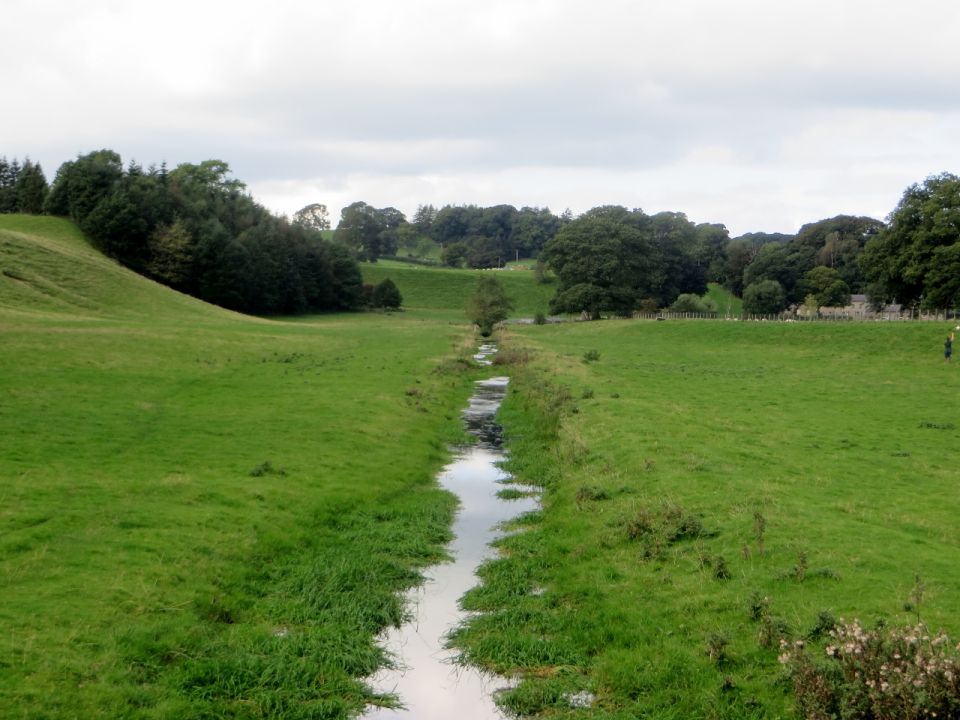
x=429, y=684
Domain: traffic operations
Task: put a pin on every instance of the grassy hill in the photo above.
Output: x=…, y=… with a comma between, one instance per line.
x=47, y=268
x=447, y=290
x=204, y=514
x=724, y=301
x=710, y=488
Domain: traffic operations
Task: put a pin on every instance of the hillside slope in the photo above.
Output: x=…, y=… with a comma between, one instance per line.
x=446, y=289
x=47, y=267
x=181, y=483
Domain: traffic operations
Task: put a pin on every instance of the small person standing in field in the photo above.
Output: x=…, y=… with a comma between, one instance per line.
x=948, y=348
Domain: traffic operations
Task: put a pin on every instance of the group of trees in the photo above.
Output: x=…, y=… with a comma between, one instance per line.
x=913, y=259
x=23, y=187
x=489, y=237
x=618, y=260
x=371, y=232
x=916, y=258
x=196, y=229
x=819, y=266
x=468, y=235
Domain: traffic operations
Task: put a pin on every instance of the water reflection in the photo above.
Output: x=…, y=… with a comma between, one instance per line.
x=484, y=352
x=429, y=684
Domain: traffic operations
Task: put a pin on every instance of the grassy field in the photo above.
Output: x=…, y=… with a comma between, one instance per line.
x=204, y=514
x=208, y=515
x=727, y=304
x=708, y=488
x=447, y=289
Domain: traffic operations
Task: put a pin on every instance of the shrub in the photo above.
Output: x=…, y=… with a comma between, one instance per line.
x=591, y=356
x=720, y=569
x=773, y=631
x=881, y=674
x=688, y=303
x=759, y=606
x=826, y=623
x=386, y=295
x=488, y=305
x=759, y=529
x=717, y=649
x=764, y=297
x=649, y=306
x=266, y=468
x=510, y=356
x=586, y=494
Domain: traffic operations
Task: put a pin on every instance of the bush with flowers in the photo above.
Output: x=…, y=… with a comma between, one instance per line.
x=881, y=674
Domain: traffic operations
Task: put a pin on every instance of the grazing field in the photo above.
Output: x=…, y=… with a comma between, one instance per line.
x=709, y=488
x=204, y=514
x=428, y=288
x=727, y=304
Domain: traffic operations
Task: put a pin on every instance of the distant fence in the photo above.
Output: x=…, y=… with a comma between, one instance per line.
x=942, y=316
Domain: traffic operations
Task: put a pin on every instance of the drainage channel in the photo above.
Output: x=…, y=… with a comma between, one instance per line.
x=428, y=682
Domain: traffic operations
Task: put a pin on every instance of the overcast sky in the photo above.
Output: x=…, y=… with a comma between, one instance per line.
x=760, y=115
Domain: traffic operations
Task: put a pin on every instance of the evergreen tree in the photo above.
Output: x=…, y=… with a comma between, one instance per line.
x=8, y=189
x=31, y=189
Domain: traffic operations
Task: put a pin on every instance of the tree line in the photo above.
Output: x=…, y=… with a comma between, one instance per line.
x=469, y=235
x=611, y=259
x=912, y=259
x=196, y=229
x=23, y=187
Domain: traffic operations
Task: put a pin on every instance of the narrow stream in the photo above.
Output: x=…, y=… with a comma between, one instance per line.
x=429, y=684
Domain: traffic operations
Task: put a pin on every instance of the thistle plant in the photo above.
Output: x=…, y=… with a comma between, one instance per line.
x=881, y=674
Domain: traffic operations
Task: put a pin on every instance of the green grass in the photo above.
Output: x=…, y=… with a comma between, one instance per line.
x=209, y=515
x=726, y=302
x=447, y=290
x=658, y=458
x=204, y=514
x=48, y=270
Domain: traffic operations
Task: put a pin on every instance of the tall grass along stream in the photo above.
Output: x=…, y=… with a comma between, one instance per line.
x=427, y=681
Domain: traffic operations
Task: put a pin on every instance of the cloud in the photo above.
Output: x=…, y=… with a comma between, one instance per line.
x=776, y=113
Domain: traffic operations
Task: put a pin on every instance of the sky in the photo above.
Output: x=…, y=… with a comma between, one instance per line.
x=759, y=115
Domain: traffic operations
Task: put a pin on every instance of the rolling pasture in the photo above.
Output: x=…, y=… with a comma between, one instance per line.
x=204, y=514
x=709, y=488
x=447, y=290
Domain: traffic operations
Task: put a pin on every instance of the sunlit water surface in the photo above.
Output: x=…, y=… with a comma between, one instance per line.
x=430, y=686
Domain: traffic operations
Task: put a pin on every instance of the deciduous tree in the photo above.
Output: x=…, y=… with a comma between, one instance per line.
x=488, y=304
x=386, y=295
x=313, y=217
x=904, y=259
x=826, y=286
x=764, y=297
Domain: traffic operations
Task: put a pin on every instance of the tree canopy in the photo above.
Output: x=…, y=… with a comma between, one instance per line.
x=764, y=297
x=370, y=231
x=611, y=258
x=313, y=216
x=914, y=258
x=488, y=304
x=386, y=295
x=197, y=230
